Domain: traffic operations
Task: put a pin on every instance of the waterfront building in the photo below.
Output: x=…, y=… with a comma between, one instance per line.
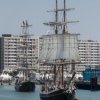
x=10, y=49
x=89, y=51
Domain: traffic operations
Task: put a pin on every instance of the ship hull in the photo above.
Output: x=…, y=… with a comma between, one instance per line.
x=57, y=95
x=25, y=87
x=88, y=86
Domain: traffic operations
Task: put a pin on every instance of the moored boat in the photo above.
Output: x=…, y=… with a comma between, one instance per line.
x=25, y=86
x=59, y=51
x=24, y=83
x=58, y=94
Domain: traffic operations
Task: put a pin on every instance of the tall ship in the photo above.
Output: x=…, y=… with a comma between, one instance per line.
x=24, y=83
x=60, y=52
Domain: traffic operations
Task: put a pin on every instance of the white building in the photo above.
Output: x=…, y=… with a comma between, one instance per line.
x=10, y=50
x=89, y=52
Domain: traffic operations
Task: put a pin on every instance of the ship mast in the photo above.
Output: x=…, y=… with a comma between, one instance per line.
x=24, y=46
x=56, y=30
x=25, y=27
x=64, y=27
x=25, y=35
x=56, y=24
x=60, y=40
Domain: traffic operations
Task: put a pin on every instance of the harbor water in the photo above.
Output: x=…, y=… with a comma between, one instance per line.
x=8, y=93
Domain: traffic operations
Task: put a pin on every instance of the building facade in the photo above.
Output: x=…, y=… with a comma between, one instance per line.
x=89, y=52
x=10, y=51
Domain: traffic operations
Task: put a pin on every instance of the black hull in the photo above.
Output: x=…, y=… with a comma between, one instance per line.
x=57, y=95
x=25, y=87
x=87, y=86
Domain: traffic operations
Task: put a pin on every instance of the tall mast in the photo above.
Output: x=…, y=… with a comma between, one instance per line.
x=64, y=30
x=56, y=32
x=24, y=46
x=24, y=36
x=56, y=24
x=25, y=27
x=64, y=15
x=56, y=17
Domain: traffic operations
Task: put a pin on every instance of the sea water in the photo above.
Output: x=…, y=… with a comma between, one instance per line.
x=8, y=92
x=88, y=95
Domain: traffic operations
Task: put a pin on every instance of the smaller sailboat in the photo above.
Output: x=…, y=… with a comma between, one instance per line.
x=24, y=83
x=59, y=51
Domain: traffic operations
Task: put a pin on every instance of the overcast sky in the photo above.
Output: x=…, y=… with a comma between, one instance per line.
x=13, y=12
